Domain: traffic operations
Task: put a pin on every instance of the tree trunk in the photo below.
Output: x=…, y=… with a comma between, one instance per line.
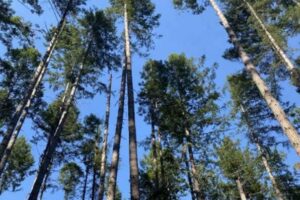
x=187, y=167
x=133, y=159
x=87, y=171
x=112, y=181
x=161, y=159
x=288, y=63
x=155, y=163
x=22, y=109
x=254, y=138
x=104, y=146
x=53, y=141
x=241, y=190
x=195, y=181
x=278, y=112
x=44, y=184
x=94, y=184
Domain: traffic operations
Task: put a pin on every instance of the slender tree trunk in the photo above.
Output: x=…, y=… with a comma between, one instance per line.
x=241, y=190
x=94, y=183
x=22, y=109
x=195, y=181
x=44, y=184
x=133, y=159
x=187, y=167
x=278, y=112
x=161, y=159
x=155, y=163
x=87, y=171
x=254, y=138
x=105, y=141
x=53, y=141
x=279, y=195
x=112, y=181
x=288, y=63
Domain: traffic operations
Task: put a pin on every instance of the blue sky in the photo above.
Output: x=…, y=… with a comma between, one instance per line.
x=182, y=33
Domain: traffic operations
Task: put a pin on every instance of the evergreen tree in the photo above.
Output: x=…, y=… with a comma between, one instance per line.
x=139, y=20
x=18, y=166
x=242, y=168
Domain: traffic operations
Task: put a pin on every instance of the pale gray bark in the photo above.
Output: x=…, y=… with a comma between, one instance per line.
x=105, y=143
x=195, y=181
x=112, y=181
x=288, y=63
x=274, y=105
x=22, y=109
x=133, y=159
x=254, y=139
x=241, y=189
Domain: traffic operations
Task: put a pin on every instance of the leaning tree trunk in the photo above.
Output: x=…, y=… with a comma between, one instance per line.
x=262, y=152
x=188, y=171
x=54, y=140
x=241, y=189
x=87, y=171
x=285, y=59
x=22, y=109
x=104, y=143
x=161, y=159
x=44, y=184
x=195, y=181
x=133, y=160
x=274, y=105
x=112, y=181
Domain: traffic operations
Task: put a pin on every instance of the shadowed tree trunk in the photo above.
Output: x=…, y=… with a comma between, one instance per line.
x=54, y=139
x=133, y=160
x=187, y=167
x=87, y=171
x=44, y=184
x=195, y=181
x=22, y=109
x=112, y=181
x=274, y=105
x=104, y=145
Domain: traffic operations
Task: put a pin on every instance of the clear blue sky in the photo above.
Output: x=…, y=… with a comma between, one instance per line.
x=182, y=33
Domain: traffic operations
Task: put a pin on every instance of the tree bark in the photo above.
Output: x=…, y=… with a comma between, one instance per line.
x=133, y=159
x=112, y=181
x=22, y=109
x=254, y=138
x=189, y=176
x=154, y=150
x=94, y=183
x=87, y=171
x=54, y=139
x=44, y=184
x=288, y=63
x=241, y=190
x=104, y=146
x=278, y=112
x=195, y=181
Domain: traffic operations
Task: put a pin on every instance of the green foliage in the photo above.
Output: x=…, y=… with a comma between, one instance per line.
x=91, y=42
x=189, y=4
x=70, y=176
x=242, y=165
x=16, y=70
x=142, y=20
x=171, y=185
x=18, y=166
